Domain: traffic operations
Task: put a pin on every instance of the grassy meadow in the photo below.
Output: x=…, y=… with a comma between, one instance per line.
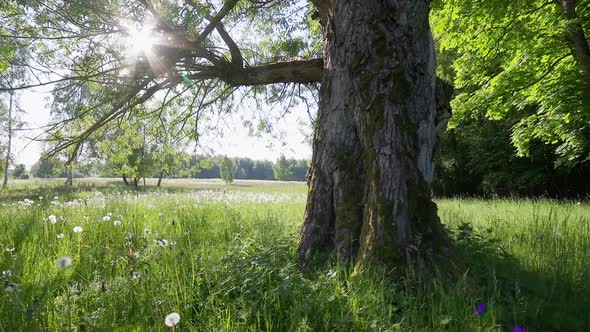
x=101, y=257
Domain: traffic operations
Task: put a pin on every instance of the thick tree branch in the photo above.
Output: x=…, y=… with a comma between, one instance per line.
x=300, y=71
x=236, y=55
x=227, y=7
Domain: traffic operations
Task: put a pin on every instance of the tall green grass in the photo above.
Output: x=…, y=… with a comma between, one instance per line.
x=225, y=261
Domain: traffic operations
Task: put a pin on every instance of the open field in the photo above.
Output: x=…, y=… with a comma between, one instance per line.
x=223, y=258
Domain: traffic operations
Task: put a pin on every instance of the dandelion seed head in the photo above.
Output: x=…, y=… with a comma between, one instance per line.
x=161, y=242
x=172, y=319
x=78, y=229
x=60, y=235
x=52, y=219
x=10, y=287
x=10, y=248
x=63, y=262
x=106, y=218
x=117, y=223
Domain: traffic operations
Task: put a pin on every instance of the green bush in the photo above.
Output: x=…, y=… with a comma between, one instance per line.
x=25, y=176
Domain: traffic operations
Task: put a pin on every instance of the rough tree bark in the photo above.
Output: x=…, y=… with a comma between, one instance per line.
x=160, y=179
x=370, y=182
x=8, y=148
x=577, y=42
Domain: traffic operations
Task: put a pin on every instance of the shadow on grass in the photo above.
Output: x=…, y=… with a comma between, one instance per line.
x=535, y=299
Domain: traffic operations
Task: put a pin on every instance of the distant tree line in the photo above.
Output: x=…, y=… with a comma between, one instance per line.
x=198, y=167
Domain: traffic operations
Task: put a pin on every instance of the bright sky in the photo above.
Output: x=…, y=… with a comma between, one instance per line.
x=236, y=142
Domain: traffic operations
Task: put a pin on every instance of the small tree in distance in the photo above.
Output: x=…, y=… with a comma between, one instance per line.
x=18, y=170
x=282, y=169
x=227, y=169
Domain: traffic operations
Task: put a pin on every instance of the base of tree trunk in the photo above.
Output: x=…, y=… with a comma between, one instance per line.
x=379, y=125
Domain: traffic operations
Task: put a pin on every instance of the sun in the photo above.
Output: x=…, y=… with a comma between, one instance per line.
x=139, y=40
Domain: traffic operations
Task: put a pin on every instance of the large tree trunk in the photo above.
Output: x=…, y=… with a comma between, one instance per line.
x=125, y=180
x=160, y=179
x=372, y=168
x=8, y=148
x=577, y=43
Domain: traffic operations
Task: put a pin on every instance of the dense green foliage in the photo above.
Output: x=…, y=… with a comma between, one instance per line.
x=521, y=116
x=225, y=261
x=282, y=169
x=18, y=170
x=227, y=169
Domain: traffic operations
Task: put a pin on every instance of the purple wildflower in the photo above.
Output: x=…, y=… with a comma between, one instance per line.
x=480, y=309
x=518, y=329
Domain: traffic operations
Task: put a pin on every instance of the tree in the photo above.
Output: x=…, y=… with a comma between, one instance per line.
x=227, y=169
x=18, y=170
x=521, y=59
x=48, y=168
x=381, y=109
x=13, y=66
x=282, y=169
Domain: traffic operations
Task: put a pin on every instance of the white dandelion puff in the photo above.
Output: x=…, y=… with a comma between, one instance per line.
x=63, y=262
x=10, y=248
x=172, y=319
x=52, y=219
x=77, y=229
x=117, y=223
x=10, y=287
x=106, y=218
x=60, y=235
x=161, y=242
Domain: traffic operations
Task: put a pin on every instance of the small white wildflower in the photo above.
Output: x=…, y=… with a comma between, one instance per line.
x=10, y=249
x=52, y=219
x=445, y=320
x=135, y=275
x=7, y=273
x=112, y=262
x=77, y=229
x=172, y=319
x=146, y=231
x=106, y=218
x=109, y=214
x=60, y=235
x=40, y=198
x=10, y=287
x=63, y=262
x=161, y=242
x=116, y=223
